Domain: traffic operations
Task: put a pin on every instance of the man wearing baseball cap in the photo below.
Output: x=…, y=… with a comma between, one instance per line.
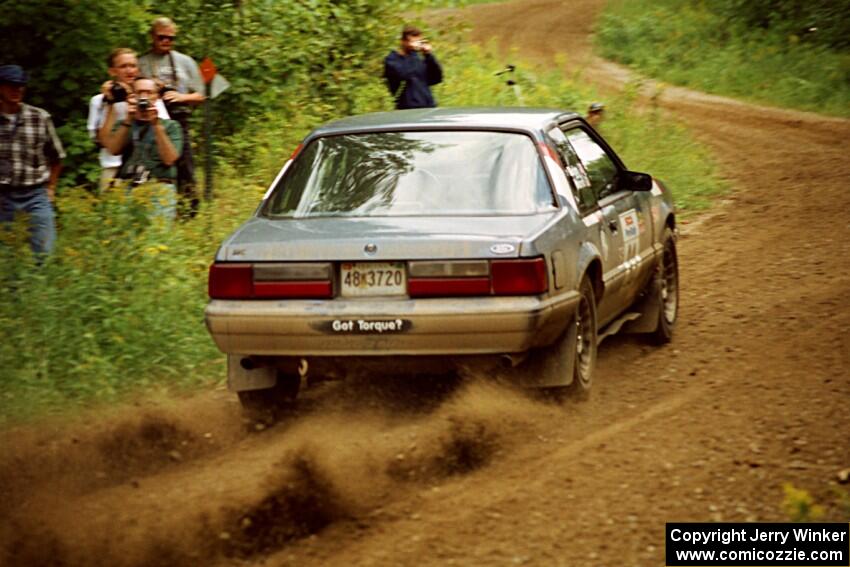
x=30, y=160
x=595, y=114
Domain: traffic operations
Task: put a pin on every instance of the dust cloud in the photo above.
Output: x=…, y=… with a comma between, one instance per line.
x=160, y=494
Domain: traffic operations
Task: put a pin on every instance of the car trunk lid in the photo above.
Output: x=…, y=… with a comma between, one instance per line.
x=380, y=238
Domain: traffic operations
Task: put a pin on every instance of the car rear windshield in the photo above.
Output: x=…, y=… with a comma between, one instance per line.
x=414, y=174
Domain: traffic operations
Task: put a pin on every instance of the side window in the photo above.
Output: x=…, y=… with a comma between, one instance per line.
x=599, y=166
x=581, y=186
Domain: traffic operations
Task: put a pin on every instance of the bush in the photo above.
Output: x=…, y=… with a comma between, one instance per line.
x=689, y=43
x=116, y=307
x=268, y=50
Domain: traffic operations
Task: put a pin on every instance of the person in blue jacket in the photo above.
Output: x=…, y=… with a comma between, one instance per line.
x=412, y=70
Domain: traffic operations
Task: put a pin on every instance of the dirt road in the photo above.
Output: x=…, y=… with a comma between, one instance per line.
x=753, y=393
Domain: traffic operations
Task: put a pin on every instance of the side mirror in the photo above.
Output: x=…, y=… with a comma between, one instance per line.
x=636, y=181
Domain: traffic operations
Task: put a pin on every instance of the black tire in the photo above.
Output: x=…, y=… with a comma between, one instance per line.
x=666, y=284
x=585, y=341
x=266, y=405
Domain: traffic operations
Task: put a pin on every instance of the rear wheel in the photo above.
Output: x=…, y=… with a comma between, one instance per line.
x=586, y=339
x=666, y=286
x=266, y=405
x=579, y=342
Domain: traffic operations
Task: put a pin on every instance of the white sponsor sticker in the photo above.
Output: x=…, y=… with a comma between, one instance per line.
x=630, y=227
x=367, y=326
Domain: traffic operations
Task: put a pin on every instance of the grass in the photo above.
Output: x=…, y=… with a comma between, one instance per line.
x=117, y=309
x=686, y=43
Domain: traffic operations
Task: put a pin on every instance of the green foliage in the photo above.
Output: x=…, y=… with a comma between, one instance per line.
x=694, y=44
x=117, y=307
x=268, y=50
x=799, y=505
x=823, y=22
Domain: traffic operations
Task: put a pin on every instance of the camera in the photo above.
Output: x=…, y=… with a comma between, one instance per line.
x=175, y=109
x=143, y=105
x=117, y=92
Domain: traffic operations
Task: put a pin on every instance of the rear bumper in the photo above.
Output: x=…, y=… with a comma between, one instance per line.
x=383, y=327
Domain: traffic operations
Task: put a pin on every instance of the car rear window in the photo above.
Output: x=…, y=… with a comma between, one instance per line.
x=414, y=174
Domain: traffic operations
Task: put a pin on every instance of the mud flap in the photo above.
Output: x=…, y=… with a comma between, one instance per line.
x=239, y=379
x=550, y=366
x=650, y=309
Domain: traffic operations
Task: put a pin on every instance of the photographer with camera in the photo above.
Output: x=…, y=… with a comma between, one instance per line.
x=409, y=75
x=150, y=146
x=123, y=67
x=183, y=91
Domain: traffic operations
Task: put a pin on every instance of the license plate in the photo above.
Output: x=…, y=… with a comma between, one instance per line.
x=365, y=279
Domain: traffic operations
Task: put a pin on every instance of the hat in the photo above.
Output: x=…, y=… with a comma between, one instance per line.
x=596, y=107
x=13, y=74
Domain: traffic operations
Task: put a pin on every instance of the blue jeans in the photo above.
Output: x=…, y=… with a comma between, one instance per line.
x=42, y=218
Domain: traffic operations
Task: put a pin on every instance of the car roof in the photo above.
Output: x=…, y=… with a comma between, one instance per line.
x=490, y=118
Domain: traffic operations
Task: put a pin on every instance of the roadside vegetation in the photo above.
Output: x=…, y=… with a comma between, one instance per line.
x=117, y=309
x=791, y=53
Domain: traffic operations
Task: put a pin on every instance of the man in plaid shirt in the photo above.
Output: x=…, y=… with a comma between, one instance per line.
x=30, y=160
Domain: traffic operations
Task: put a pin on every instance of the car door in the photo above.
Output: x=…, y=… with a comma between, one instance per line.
x=585, y=197
x=619, y=223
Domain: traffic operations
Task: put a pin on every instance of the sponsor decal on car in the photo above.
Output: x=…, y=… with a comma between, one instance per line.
x=364, y=326
x=631, y=233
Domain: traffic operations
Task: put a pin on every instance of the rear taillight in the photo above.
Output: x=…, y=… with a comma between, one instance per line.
x=302, y=290
x=270, y=281
x=519, y=277
x=477, y=278
x=231, y=281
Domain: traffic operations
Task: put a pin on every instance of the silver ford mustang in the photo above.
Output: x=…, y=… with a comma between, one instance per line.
x=436, y=238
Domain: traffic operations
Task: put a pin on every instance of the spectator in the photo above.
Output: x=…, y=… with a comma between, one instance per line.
x=30, y=160
x=183, y=91
x=409, y=75
x=151, y=146
x=595, y=114
x=123, y=67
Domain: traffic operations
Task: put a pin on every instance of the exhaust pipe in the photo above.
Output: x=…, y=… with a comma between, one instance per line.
x=254, y=362
x=513, y=360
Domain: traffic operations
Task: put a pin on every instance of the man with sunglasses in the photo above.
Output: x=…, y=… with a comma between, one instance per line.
x=183, y=90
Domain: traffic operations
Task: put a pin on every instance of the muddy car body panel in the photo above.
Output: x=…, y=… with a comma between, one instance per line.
x=437, y=232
